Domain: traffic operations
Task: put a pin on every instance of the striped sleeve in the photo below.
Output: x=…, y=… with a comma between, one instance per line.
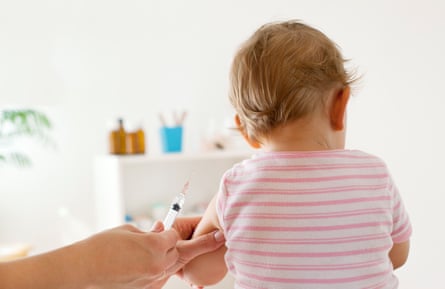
x=401, y=224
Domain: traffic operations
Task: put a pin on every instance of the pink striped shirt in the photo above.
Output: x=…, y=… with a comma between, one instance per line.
x=311, y=220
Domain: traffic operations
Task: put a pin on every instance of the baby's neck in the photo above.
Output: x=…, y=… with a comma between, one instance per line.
x=304, y=135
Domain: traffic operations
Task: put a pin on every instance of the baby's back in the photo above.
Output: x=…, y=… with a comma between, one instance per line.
x=311, y=220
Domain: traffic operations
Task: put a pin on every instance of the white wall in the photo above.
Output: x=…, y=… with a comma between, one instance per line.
x=86, y=62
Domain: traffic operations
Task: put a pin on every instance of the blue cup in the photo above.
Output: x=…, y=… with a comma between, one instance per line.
x=171, y=139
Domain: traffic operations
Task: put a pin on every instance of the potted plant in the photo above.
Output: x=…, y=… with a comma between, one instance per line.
x=21, y=123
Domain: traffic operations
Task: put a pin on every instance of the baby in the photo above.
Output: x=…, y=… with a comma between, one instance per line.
x=304, y=212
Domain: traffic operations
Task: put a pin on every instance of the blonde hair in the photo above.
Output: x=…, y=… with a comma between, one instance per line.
x=282, y=73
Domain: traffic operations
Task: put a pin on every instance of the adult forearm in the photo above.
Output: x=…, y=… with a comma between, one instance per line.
x=61, y=268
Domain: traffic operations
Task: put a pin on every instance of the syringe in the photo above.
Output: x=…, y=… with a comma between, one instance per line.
x=175, y=207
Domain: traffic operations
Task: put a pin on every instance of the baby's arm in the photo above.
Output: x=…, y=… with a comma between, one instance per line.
x=399, y=254
x=209, y=268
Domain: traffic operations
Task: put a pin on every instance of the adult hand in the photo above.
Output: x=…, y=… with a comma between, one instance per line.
x=126, y=257
x=188, y=249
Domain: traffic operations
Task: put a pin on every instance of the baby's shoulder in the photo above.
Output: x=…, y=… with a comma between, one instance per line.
x=369, y=158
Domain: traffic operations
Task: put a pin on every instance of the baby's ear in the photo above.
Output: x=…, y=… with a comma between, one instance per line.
x=253, y=143
x=338, y=108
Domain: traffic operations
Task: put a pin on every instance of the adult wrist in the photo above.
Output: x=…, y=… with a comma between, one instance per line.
x=75, y=266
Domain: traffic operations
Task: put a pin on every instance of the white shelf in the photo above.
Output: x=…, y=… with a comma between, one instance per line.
x=134, y=184
x=214, y=155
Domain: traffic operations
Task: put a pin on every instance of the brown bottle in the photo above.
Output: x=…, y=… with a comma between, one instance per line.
x=136, y=141
x=117, y=139
x=141, y=140
x=132, y=143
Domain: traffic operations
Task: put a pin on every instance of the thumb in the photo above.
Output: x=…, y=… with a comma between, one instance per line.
x=190, y=249
x=201, y=245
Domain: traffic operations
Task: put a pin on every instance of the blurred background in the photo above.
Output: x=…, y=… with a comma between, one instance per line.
x=86, y=63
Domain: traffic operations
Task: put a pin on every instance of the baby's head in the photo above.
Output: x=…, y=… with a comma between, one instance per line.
x=282, y=73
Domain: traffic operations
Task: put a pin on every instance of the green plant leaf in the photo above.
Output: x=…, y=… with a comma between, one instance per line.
x=17, y=159
x=23, y=123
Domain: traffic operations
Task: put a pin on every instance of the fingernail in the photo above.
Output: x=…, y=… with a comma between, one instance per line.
x=219, y=236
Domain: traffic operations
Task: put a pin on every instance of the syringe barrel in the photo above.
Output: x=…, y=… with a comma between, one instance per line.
x=175, y=209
